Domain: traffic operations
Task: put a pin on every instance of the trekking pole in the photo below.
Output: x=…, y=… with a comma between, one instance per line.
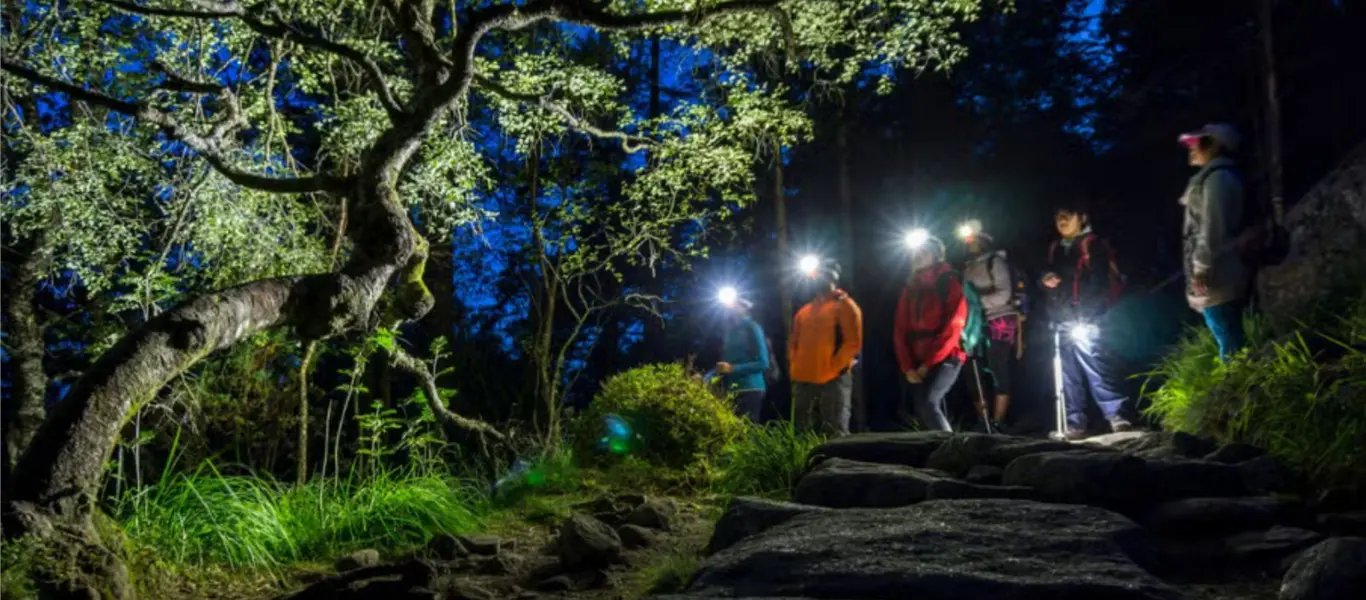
x=981, y=396
x=1059, y=406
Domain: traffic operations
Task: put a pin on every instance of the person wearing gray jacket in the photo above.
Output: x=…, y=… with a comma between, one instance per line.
x=1216, y=278
x=988, y=269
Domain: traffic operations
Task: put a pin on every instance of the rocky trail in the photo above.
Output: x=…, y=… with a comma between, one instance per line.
x=937, y=516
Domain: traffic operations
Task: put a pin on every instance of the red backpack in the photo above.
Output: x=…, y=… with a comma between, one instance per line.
x=1084, y=263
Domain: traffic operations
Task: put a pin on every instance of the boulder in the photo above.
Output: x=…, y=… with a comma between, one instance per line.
x=1203, y=516
x=1266, y=475
x=961, y=453
x=410, y=580
x=654, y=514
x=1173, y=479
x=953, y=489
x=745, y=517
x=586, y=542
x=1249, y=552
x=635, y=536
x=1157, y=444
x=909, y=449
x=939, y=549
x=358, y=559
x=1235, y=453
x=985, y=474
x=1331, y=570
x=444, y=546
x=1342, y=523
x=840, y=483
x=1081, y=477
x=482, y=545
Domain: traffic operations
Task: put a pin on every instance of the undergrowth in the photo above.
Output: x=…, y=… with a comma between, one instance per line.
x=765, y=461
x=1298, y=396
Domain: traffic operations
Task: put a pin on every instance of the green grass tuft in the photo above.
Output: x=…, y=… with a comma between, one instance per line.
x=205, y=518
x=765, y=461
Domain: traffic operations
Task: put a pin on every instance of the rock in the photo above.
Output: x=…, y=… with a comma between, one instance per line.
x=632, y=500
x=453, y=588
x=910, y=449
x=654, y=514
x=985, y=474
x=745, y=517
x=605, y=503
x=1340, y=499
x=1266, y=475
x=557, y=583
x=840, y=483
x=483, y=545
x=1081, y=477
x=1172, y=479
x=937, y=549
x=358, y=559
x=953, y=489
x=635, y=536
x=1342, y=523
x=1247, y=552
x=407, y=580
x=568, y=582
x=587, y=542
x=1235, y=453
x=494, y=565
x=1331, y=570
x=962, y=452
x=1200, y=516
x=444, y=546
x=1160, y=444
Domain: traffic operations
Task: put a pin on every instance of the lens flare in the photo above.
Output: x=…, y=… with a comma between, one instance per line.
x=809, y=264
x=917, y=237
x=728, y=295
x=618, y=437
x=1084, y=332
x=966, y=231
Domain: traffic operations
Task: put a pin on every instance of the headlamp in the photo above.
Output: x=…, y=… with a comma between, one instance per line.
x=728, y=295
x=809, y=263
x=966, y=231
x=1083, y=332
x=916, y=238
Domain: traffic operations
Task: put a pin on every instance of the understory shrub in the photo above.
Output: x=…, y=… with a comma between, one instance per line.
x=659, y=414
x=1300, y=396
x=766, y=461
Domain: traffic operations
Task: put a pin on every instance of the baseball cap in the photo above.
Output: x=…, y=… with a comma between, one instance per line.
x=1222, y=133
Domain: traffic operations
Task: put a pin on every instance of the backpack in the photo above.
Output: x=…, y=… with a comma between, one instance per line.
x=974, y=339
x=1019, y=282
x=1116, y=277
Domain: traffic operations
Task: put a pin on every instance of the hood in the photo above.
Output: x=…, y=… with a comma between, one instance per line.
x=1219, y=162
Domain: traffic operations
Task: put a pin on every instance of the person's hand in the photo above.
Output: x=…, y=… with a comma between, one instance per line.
x=1199, y=285
x=724, y=368
x=914, y=376
x=922, y=372
x=1051, y=280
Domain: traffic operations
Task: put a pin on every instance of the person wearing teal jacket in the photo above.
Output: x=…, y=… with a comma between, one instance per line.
x=744, y=360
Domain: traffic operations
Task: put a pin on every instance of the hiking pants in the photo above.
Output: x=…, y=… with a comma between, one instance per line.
x=750, y=403
x=927, y=398
x=1225, y=322
x=1087, y=366
x=831, y=400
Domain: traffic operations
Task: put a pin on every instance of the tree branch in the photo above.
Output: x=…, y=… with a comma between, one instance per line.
x=631, y=143
x=414, y=367
x=279, y=30
x=210, y=147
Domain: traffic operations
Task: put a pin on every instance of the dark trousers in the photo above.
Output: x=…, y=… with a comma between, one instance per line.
x=750, y=403
x=1225, y=322
x=926, y=399
x=826, y=404
x=1088, y=367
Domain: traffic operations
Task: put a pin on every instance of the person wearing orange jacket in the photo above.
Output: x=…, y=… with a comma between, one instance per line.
x=827, y=334
x=930, y=317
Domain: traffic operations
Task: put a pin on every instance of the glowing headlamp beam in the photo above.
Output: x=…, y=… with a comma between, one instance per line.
x=728, y=295
x=916, y=238
x=1083, y=332
x=809, y=263
x=966, y=231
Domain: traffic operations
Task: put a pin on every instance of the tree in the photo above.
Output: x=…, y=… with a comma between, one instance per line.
x=388, y=138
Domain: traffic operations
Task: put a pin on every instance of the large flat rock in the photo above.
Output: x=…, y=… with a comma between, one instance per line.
x=840, y=483
x=908, y=448
x=942, y=549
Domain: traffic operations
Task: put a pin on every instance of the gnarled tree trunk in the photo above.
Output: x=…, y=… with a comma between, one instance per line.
x=24, y=341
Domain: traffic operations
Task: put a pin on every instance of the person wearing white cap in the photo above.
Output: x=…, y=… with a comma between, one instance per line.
x=1216, y=278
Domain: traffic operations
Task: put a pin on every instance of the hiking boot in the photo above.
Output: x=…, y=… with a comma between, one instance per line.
x=1120, y=424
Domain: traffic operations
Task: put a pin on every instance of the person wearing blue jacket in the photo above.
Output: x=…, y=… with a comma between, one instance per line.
x=744, y=360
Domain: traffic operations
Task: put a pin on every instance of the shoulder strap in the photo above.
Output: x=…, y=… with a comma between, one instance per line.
x=1052, y=250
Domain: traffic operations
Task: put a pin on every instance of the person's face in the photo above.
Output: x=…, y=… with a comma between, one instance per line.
x=1069, y=224
x=921, y=258
x=974, y=246
x=1199, y=154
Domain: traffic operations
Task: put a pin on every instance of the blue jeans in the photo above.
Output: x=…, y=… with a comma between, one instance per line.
x=1225, y=322
x=1086, y=366
x=927, y=399
x=750, y=403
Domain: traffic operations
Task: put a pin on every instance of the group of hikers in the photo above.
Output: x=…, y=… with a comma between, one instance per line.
x=949, y=317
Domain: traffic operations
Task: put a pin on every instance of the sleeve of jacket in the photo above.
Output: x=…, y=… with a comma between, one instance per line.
x=998, y=268
x=851, y=325
x=899, y=332
x=794, y=335
x=948, y=339
x=1220, y=197
x=760, y=361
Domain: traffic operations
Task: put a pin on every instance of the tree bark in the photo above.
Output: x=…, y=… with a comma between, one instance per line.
x=846, y=192
x=1274, y=169
x=25, y=343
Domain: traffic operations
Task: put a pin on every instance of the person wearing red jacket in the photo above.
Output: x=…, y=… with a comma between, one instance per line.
x=930, y=317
